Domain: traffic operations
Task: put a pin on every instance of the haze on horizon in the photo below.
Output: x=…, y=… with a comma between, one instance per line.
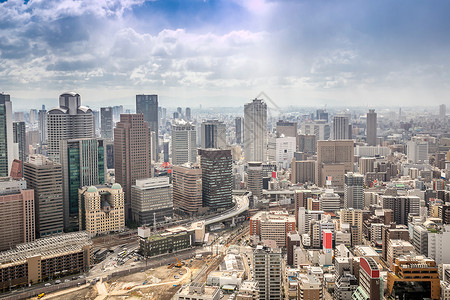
x=226, y=51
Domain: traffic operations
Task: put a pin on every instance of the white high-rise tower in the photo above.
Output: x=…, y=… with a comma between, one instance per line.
x=255, y=130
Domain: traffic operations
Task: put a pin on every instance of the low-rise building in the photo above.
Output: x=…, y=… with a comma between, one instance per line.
x=155, y=244
x=198, y=291
x=309, y=288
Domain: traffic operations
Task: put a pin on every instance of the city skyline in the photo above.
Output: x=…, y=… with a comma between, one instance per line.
x=213, y=52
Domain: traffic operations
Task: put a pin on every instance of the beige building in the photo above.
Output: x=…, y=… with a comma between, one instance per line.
x=334, y=159
x=272, y=225
x=303, y=171
x=397, y=248
x=187, y=188
x=354, y=220
x=309, y=287
x=101, y=209
x=198, y=291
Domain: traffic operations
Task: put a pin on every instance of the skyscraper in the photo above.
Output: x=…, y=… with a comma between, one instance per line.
x=184, y=147
x=45, y=178
x=239, y=124
x=321, y=114
x=107, y=123
x=255, y=130
x=68, y=121
x=20, y=139
x=187, y=188
x=188, y=113
x=286, y=128
x=354, y=191
x=341, y=127
x=267, y=272
x=442, y=111
x=255, y=178
x=371, y=128
x=83, y=164
x=216, y=177
x=213, y=134
x=6, y=135
x=42, y=124
x=132, y=154
x=148, y=105
x=334, y=159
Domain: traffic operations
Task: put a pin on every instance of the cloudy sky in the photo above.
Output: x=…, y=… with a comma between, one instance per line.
x=224, y=52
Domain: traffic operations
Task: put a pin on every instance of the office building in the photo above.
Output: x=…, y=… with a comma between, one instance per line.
x=217, y=180
x=239, y=130
x=187, y=188
x=334, y=159
x=321, y=114
x=306, y=143
x=17, y=213
x=272, y=225
x=68, y=121
x=286, y=128
x=319, y=128
x=267, y=270
x=7, y=146
x=255, y=130
x=101, y=209
x=370, y=287
x=329, y=201
x=42, y=125
x=417, y=151
x=402, y=206
x=83, y=164
x=442, y=111
x=354, y=219
x=45, y=178
x=293, y=240
x=132, y=154
x=413, y=277
x=303, y=171
x=214, y=134
x=366, y=165
x=371, y=124
x=107, y=123
x=341, y=123
x=309, y=287
x=184, y=145
x=354, y=191
x=285, y=148
x=392, y=232
x=151, y=244
x=255, y=179
x=188, y=114
x=148, y=106
x=45, y=259
x=152, y=200
x=20, y=139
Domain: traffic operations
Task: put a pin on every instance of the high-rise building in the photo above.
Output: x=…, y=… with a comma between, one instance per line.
x=255, y=130
x=321, y=114
x=20, y=139
x=272, y=225
x=309, y=287
x=96, y=114
x=152, y=200
x=83, y=164
x=334, y=159
x=16, y=213
x=417, y=151
x=217, y=179
x=284, y=151
x=188, y=113
x=45, y=178
x=442, y=111
x=132, y=154
x=148, y=105
x=344, y=286
x=354, y=218
x=68, y=121
x=184, y=147
x=293, y=240
x=286, y=128
x=255, y=178
x=370, y=287
x=402, y=206
x=107, y=124
x=354, y=191
x=341, y=124
x=303, y=171
x=7, y=146
x=187, y=188
x=239, y=126
x=306, y=143
x=371, y=128
x=319, y=128
x=214, y=134
x=329, y=201
x=101, y=209
x=267, y=270
x=42, y=125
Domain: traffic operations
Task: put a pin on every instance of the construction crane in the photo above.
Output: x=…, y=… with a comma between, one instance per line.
x=179, y=264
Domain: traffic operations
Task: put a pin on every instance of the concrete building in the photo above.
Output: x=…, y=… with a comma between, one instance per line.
x=155, y=244
x=214, y=134
x=329, y=201
x=367, y=252
x=370, y=287
x=152, y=200
x=420, y=240
x=371, y=124
x=102, y=209
x=249, y=290
x=354, y=219
x=19, y=138
x=17, y=213
x=417, y=151
x=354, y=191
x=345, y=286
x=413, y=277
x=437, y=245
x=397, y=248
x=107, y=123
x=341, y=123
x=285, y=149
x=83, y=164
x=42, y=125
x=306, y=143
x=239, y=130
x=187, y=188
x=402, y=206
x=217, y=180
x=372, y=151
x=267, y=270
x=255, y=130
x=45, y=259
x=45, y=178
x=366, y=165
x=303, y=171
x=442, y=111
x=272, y=225
x=70, y=120
x=334, y=159
x=198, y=291
x=286, y=128
x=8, y=149
x=184, y=145
x=319, y=128
x=309, y=288
x=293, y=240
x=132, y=154
x=255, y=179
x=148, y=106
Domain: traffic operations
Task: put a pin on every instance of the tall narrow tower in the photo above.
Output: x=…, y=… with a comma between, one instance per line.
x=6, y=135
x=255, y=130
x=371, y=128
